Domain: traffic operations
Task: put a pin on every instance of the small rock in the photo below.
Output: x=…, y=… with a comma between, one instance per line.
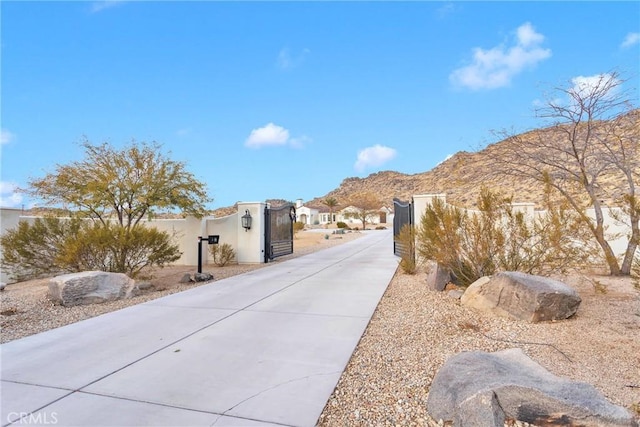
x=2, y=286
x=455, y=293
x=203, y=277
x=186, y=278
x=438, y=278
x=143, y=286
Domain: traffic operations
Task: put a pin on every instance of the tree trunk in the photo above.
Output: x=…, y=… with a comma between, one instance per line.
x=610, y=257
x=629, y=254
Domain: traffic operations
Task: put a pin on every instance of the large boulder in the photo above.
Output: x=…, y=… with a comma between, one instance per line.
x=90, y=287
x=485, y=389
x=522, y=296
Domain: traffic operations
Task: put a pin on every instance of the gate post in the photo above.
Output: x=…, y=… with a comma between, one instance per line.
x=421, y=201
x=250, y=248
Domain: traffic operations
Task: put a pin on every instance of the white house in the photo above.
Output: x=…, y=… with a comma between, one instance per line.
x=349, y=215
x=307, y=215
x=320, y=216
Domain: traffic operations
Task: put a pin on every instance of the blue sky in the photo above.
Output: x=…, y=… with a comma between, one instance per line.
x=286, y=99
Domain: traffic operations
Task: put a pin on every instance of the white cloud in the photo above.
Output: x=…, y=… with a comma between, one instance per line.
x=287, y=61
x=6, y=136
x=496, y=67
x=630, y=40
x=99, y=6
x=584, y=86
x=374, y=156
x=300, y=141
x=272, y=134
x=446, y=9
x=9, y=196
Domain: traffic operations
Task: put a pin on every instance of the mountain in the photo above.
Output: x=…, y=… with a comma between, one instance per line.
x=460, y=177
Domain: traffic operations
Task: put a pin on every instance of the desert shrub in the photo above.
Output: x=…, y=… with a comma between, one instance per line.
x=297, y=226
x=472, y=244
x=341, y=224
x=54, y=246
x=222, y=254
x=381, y=227
x=112, y=247
x=406, y=239
x=33, y=250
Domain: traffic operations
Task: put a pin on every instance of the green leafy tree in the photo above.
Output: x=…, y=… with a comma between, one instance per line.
x=115, y=190
x=122, y=184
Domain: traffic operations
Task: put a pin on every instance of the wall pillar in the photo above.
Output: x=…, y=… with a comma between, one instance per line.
x=421, y=201
x=250, y=249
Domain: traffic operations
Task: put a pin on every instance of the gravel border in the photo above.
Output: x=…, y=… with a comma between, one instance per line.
x=415, y=330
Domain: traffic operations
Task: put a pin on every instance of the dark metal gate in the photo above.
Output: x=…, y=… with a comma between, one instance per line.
x=402, y=215
x=278, y=235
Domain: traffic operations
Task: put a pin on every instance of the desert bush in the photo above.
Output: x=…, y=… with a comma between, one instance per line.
x=297, y=226
x=341, y=224
x=54, y=246
x=33, y=250
x=496, y=238
x=222, y=254
x=381, y=227
x=406, y=238
x=112, y=247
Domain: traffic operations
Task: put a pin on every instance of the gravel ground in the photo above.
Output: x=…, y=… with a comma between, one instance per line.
x=410, y=336
x=415, y=330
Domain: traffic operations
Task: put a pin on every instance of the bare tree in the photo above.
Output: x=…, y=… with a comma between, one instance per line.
x=364, y=207
x=592, y=136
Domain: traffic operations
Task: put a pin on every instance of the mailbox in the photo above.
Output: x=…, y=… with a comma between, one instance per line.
x=213, y=239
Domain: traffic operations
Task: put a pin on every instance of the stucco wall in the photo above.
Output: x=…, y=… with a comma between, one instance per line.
x=248, y=245
x=618, y=232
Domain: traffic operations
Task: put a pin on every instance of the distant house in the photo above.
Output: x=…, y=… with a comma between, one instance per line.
x=346, y=215
x=307, y=215
x=320, y=215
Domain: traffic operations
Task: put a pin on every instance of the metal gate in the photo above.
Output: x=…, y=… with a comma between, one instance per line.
x=278, y=235
x=402, y=215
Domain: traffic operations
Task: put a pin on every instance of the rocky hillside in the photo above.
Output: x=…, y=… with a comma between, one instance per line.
x=462, y=176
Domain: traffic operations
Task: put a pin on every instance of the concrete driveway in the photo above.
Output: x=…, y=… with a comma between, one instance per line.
x=260, y=349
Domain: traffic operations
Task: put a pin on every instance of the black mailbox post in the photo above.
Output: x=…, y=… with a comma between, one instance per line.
x=211, y=240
